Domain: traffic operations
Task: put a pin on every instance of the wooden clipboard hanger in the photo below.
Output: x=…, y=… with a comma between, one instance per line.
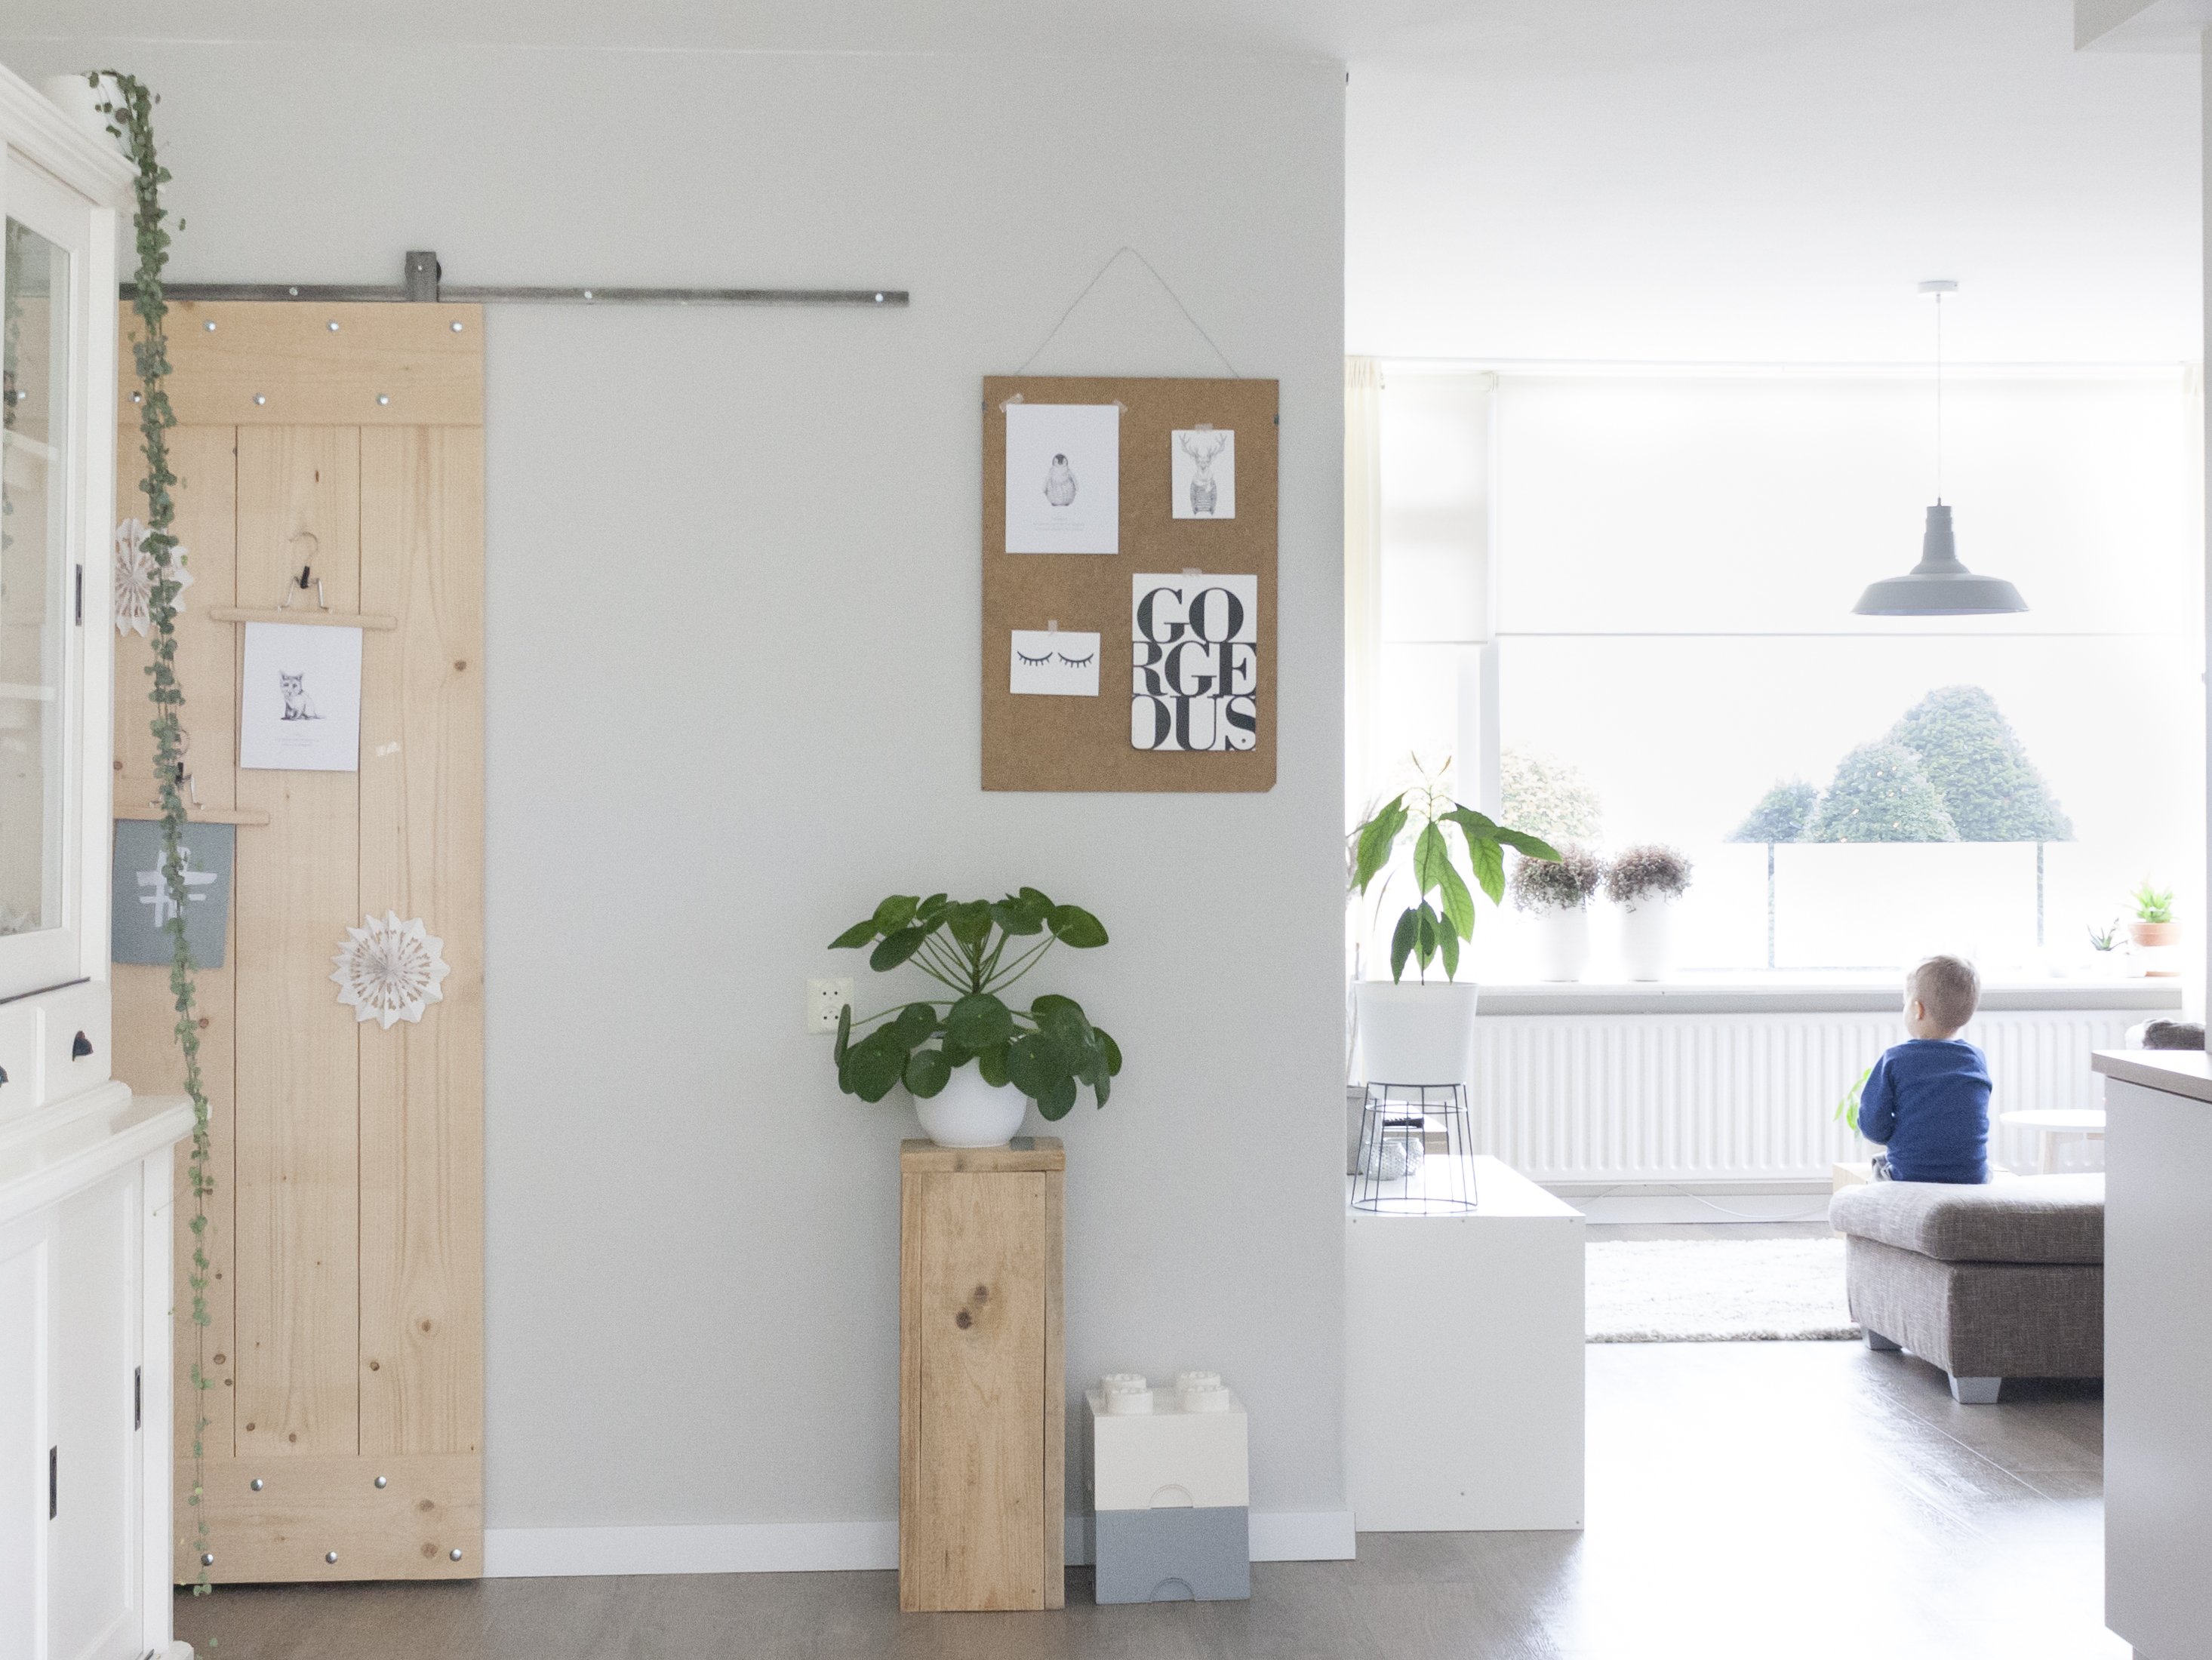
x=315, y=548
x=282, y=611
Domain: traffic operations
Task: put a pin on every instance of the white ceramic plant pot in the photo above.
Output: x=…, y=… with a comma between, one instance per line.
x=1563, y=945
x=968, y=1112
x=1415, y=1033
x=1647, y=936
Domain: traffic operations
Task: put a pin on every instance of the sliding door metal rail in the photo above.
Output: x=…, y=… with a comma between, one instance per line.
x=501, y=294
x=424, y=283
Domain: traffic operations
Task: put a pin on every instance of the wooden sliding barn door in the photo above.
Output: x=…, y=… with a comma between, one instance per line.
x=347, y=1230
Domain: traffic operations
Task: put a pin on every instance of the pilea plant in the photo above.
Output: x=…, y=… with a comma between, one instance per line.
x=1046, y=1050
x=129, y=112
x=1426, y=932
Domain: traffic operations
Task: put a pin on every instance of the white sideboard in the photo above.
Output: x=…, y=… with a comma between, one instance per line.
x=85, y=1196
x=2158, y=1352
x=1464, y=1362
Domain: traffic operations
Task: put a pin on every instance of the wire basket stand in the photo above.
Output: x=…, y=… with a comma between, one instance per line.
x=1416, y=1151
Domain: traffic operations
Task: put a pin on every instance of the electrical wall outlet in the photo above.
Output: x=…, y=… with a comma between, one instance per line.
x=823, y=999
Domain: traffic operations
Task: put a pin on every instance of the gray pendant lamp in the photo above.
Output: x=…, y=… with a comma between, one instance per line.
x=1939, y=586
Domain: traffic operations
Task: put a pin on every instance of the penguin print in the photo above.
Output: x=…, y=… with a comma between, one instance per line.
x=1059, y=482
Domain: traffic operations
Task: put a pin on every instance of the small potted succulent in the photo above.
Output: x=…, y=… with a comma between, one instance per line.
x=1556, y=893
x=1647, y=882
x=1422, y=1032
x=975, y=948
x=2154, y=924
x=2104, y=941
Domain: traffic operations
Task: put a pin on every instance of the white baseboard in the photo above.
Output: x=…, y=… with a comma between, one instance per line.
x=718, y=1547
x=1303, y=1535
x=1311, y=1535
x=1649, y=1208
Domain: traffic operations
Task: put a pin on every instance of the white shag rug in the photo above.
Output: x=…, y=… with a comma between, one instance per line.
x=1715, y=1291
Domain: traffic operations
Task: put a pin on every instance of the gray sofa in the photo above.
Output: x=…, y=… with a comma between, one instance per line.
x=2001, y=1280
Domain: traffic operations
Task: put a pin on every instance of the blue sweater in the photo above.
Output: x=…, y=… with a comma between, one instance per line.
x=1928, y=1101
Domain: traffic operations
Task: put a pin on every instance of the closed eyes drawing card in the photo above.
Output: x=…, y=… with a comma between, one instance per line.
x=1055, y=664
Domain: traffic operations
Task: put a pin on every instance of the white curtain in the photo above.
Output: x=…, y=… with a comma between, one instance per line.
x=1363, y=578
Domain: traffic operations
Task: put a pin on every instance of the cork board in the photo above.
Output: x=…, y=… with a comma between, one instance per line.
x=1084, y=742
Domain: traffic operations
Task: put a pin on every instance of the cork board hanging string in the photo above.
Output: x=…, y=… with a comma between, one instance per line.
x=1125, y=249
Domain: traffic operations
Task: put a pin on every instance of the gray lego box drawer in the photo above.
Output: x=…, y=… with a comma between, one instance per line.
x=1173, y=1555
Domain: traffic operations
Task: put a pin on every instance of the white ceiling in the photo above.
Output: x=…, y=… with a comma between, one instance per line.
x=1525, y=32
x=1732, y=180
x=1586, y=178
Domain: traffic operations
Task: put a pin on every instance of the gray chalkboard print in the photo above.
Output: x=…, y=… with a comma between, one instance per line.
x=141, y=902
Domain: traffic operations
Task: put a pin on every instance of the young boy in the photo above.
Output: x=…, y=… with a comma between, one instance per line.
x=1928, y=1101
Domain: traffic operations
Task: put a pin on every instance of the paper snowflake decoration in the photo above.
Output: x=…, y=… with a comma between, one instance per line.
x=135, y=574
x=388, y=970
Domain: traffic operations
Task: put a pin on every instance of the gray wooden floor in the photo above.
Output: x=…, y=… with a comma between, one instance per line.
x=1787, y=1501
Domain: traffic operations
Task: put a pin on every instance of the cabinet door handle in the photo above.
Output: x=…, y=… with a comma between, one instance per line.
x=53, y=1482
x=138, y=1398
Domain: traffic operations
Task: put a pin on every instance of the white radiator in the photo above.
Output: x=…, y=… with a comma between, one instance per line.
x=1705, y=1099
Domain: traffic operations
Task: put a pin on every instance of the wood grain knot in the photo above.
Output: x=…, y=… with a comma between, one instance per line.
x=375, y=1366
x=424, y=1504
x=204, y=1022
x=429, y=1550
x=982, y=1293
x=460, y=663
x=218, y=1359
x=249, y=1429
x=426, y=1325
x=963, y=1319
x=294, y=1436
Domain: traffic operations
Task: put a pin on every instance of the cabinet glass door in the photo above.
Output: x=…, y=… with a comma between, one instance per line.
x=34, y=590
x=44, y=566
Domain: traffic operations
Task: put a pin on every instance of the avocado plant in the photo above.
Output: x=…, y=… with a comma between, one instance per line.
x=975, y=948
x=1426, y=931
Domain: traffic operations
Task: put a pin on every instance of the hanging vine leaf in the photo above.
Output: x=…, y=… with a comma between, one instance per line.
x=130, y=111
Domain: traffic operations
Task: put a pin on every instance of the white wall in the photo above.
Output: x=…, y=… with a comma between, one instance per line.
x=733, y=636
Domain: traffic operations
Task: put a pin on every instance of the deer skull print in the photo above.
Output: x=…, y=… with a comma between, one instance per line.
x=1203, y=474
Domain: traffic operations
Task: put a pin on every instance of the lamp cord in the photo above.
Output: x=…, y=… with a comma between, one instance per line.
x=1939, y=400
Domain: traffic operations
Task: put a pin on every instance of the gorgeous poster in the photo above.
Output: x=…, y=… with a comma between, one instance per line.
x=1195, y=683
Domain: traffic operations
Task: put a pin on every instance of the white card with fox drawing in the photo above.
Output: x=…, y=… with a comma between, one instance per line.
x=299, y=699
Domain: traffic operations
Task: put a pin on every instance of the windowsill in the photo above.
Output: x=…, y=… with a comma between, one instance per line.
x=1843, y=993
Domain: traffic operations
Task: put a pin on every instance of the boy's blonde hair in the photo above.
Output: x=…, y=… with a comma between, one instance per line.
x=1948, y=988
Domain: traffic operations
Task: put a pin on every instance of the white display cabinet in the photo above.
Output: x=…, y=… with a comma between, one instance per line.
x=86, y=1170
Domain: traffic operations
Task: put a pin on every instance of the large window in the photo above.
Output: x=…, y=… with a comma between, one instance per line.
x=1621, y=603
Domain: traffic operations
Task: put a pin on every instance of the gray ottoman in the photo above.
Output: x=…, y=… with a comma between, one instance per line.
x=2002, y=1281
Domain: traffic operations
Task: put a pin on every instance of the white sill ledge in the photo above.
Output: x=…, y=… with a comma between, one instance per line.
x=1812, y=996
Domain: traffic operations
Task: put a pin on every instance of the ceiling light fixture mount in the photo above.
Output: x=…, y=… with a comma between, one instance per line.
x=1939, y=586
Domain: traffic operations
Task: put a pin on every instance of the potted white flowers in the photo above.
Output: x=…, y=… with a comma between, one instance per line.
x=1423, y=1033
x=1647, y=883
x=1556, y=892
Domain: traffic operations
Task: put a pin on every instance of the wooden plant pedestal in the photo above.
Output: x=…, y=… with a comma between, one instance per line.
x=982, y=1402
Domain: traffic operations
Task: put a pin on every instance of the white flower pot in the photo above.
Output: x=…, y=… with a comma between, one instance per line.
x=1563, y=945
x=1416, y=1034
x=968, y=1112
x=1647, y=936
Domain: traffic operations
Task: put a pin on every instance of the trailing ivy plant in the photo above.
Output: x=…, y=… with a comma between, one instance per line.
x=1047, y=1051
x=1426, y=931
x=129, y=112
